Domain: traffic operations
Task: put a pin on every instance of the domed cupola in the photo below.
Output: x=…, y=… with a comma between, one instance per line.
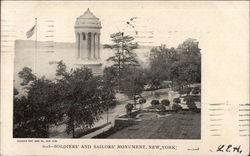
x=88, y=20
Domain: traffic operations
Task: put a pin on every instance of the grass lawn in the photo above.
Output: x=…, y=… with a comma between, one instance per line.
x=175, y=126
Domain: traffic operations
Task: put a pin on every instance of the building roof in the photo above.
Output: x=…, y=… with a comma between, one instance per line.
x=88, y=20
x=88, y=14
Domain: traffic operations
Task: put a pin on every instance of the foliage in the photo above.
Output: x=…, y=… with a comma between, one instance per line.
x=76, y=94
x=176, y=107
x=129, y=107
x=152, y=78
x=33, y=114
x=185, y=90
x=155, y=102
x=142, y=101
x=165, y=102
x=123, y=47
x=132, y=83
x=26, y=75
x=110, y=75
x=181, y=65
x=159, y=107
x=194, y=98
x=161, y=59
x=157, y=95
x=84, y=96
x=188, y=69
x=196, y=90
x=15, y=91
x=191, y=104
x=177, y=100
x=106, y=91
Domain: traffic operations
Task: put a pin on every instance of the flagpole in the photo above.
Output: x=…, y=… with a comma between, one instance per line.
x=35, y=46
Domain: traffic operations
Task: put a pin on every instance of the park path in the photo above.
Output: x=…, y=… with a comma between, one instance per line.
x=59, y=131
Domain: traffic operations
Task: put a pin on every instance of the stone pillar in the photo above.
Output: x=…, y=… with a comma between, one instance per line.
x=77, y=46
x=89, y=45
x=99, y=45
x=92, y=45
x=80, y=45
x=96, y=46
x=84, y=45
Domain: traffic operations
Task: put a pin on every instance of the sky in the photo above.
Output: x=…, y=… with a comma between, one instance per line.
x=158, y=23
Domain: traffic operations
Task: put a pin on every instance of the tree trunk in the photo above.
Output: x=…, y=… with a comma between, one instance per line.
x=73, y=130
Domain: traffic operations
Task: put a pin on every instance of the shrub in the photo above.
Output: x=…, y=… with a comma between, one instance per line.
x=155, y=102
x=177, y=100
x=196, y=90
x=129, y=108
x=165, y=102
x=160, y=107
x=142, y=100
x=185, y=90
x=191, y=104
x=157, y=94
x=176, y=107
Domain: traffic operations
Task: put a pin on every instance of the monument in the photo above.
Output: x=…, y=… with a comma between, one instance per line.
x=87, y=32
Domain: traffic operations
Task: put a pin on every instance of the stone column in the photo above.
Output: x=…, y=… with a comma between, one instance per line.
x=80, y=45
x=99, y=45
x=89, y=45
x=92, y=45
x=84, y=53
x=96, y=46
x=77, y=46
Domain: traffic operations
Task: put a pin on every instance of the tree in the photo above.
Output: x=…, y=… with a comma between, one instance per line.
x=176, y=107
x=188, y=69
x=106, y=90
x=153, y=78
x=161, y=59
x=129, y=107
x=191, y=104
x=177, y=100
x=133, y=83
x=196, y=90
x=34, y=113
x=185, y=90
x=181, y=65
x=84, y=96
x=142, y=101
x=124, y=56
x=155, y=102
x=189, y=48
x=77, y=94
x=165, y=102
x=15, y=91
x=110, y=76
x=26, y=75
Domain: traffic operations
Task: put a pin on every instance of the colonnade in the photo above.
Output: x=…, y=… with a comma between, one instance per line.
x=88, y=45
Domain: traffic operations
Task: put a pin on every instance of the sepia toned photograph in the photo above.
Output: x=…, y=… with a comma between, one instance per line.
x=124, y=78
x=97, y=77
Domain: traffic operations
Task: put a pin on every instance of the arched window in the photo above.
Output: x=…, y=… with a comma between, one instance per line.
x=83, y=36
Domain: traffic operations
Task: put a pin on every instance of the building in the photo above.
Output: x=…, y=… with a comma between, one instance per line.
x=87, y=51
x=87, y=32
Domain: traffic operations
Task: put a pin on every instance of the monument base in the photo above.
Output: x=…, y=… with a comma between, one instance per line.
x=94, y=65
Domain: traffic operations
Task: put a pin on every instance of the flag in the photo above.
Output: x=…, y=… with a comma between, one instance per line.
x=30, y=32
